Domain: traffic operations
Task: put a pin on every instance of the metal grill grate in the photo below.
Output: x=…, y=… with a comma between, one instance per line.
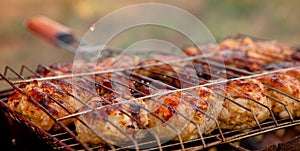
x=68, y=140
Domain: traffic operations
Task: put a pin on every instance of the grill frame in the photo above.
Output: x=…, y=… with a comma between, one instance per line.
x=220, y=138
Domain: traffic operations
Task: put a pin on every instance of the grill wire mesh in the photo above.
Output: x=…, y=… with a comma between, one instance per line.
x=67, y=138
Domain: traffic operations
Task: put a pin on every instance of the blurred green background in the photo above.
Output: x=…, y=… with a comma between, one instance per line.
x=269, y=19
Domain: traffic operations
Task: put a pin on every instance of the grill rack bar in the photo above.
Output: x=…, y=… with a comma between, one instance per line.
x=110, y=71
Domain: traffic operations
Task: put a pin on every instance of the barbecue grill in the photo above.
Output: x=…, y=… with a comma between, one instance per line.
x=67, y=139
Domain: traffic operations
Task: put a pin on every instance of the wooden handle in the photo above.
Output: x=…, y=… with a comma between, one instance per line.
x=50, y=30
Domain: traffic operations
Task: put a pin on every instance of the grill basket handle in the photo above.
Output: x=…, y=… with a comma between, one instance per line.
x=50, y=30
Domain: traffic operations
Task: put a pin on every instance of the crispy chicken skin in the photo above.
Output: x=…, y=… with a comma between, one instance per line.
x=43, y=93
x=233, y=116
x=169, y=107
x=288, y=85
x=124, y=116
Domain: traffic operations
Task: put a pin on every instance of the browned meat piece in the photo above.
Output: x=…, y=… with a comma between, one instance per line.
x=115, y=81
x=43, y=92
x=192, y=75
x=65, y=69
x=233, y=116
x=294, y=73
x=281, y=65
x=240, y=59
x=130, y=117
x=119, y=62
x=288, y=85
x=274, y=50
x=175, y=104
x=234, y=53
x=192, y=51
x=268, y=51
x=100, y=83
x=238, y=47
x=257, y=54
x=264, y=50
x=215, y=102
x=247, y=54
x=237, y=44
x=173, y=74
x=296, y=55
x=58, y=69
x=159, y=72
x=200, y=50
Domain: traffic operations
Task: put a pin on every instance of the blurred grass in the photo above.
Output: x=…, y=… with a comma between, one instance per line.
x=278, y=20
x=269, y=19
